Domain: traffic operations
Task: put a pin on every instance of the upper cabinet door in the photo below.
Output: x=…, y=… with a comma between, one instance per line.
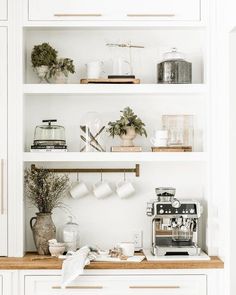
x=3, y=9
x=185, y=10
x=3, y=141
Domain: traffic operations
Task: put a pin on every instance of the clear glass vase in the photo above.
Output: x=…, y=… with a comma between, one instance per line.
x=180, y=129
x=92, y=133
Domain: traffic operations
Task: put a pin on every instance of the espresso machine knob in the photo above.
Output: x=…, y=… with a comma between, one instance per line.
x=161, y=211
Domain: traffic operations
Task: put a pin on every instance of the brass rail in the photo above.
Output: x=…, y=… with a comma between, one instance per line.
x=135, y=170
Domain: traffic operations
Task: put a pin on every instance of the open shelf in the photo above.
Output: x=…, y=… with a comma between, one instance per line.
x=114, y=89
x=115, y=157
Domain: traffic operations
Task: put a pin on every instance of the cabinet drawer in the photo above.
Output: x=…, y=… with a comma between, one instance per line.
x=139, y=284
x=114, y=10
x=3, y=10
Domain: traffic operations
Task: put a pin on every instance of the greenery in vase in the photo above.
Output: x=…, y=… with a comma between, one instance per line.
x=127, y=119
x=43, y=55
x=63, y=65
x=44, y=189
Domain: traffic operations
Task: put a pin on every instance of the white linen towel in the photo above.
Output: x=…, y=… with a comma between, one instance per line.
x=74, y=265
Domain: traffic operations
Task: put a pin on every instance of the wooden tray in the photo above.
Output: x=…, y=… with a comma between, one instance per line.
x=175, y=149
x=110, y=81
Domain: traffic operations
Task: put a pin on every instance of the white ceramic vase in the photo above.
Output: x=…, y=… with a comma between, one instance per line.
x=127, y=139
x=59, y=78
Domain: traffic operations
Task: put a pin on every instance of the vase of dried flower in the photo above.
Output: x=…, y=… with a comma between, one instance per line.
x=43, y=230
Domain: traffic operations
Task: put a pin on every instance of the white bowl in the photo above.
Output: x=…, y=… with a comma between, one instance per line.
x=57, y=250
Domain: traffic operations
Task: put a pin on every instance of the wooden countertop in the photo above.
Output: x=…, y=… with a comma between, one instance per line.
x=34, y=261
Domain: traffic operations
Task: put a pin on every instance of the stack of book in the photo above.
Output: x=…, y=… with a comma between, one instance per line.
x=48, y=148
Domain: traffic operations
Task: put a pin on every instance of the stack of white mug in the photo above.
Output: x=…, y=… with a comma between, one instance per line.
x=102, y=189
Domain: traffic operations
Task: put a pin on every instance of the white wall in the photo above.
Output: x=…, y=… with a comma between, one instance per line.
x=106, y=222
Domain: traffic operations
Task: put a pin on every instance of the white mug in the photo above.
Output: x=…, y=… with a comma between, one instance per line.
x=160, y=138
x=102, y=189
x=125, y=189
x=94, y=69
x=79, y=190
x=127, y=248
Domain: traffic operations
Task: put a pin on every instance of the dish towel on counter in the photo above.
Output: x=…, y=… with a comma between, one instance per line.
x=74, y=265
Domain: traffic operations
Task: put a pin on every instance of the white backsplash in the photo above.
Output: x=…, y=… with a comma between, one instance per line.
x=112, y=220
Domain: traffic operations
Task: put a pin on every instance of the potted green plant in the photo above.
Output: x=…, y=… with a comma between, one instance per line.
x=59, y=71
x=127, y=127
x=45, y=191
x=43, y=57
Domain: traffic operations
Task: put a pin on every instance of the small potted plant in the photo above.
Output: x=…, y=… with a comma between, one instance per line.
x=43, y=57
x=127, y=127
x=59, y=71
x=45, y=191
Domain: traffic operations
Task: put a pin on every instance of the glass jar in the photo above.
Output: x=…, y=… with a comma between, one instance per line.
x=180, y=129
x=49, y=134
x=174, y=69
x=92, y=133
x=71, y=235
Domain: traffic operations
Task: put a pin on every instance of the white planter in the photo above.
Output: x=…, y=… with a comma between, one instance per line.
x=59, y=78
x=42, y=73
x=127, y=139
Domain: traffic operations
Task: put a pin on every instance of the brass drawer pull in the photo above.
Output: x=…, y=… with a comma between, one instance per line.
x=77, y=14
x=1, y=186
x=79, y=287
x=151, y=15
x=154, y=287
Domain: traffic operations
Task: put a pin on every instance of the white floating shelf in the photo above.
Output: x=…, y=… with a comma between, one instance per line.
x=151, y=89
x=114, y=157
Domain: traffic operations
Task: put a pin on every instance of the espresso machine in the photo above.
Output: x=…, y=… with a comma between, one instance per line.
x=174, y=224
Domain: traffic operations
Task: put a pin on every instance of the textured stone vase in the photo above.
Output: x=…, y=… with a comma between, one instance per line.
x=43, y=231
x=42, y=73
x=127, y=139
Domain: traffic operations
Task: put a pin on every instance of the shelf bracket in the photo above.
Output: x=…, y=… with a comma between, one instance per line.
x=135, y=170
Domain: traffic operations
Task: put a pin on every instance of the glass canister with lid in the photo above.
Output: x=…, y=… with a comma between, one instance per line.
x=71, y=235
x=174, y=69
x=49, y=134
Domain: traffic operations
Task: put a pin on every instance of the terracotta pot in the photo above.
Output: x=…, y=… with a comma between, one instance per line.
x=127, y=139
x=42, y=73
x=43, y=231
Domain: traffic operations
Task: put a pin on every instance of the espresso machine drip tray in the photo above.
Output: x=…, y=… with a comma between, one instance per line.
x=176, y=250
x=180, y=257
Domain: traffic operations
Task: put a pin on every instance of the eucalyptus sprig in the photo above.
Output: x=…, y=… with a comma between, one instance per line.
x=127, y=119
x=64, y=65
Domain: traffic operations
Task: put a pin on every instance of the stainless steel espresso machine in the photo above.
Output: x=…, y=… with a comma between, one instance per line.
x=174, y=224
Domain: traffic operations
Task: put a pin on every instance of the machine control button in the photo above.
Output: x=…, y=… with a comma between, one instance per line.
x=161, y=211
x=191, y=211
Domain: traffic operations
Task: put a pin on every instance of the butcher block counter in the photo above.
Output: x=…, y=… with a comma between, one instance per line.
x=34, y=261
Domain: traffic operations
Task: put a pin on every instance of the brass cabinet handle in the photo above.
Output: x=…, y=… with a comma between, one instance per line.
x=76, y=14
x=151, y=15
x=79, y=287
x=1, y=188
x=154, y=287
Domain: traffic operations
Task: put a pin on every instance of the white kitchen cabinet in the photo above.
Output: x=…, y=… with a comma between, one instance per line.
x=184, y=10
x=3, y=143
x=120, y=284
x=3, y=10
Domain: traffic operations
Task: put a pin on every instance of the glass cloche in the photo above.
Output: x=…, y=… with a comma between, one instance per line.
x=49, y=134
